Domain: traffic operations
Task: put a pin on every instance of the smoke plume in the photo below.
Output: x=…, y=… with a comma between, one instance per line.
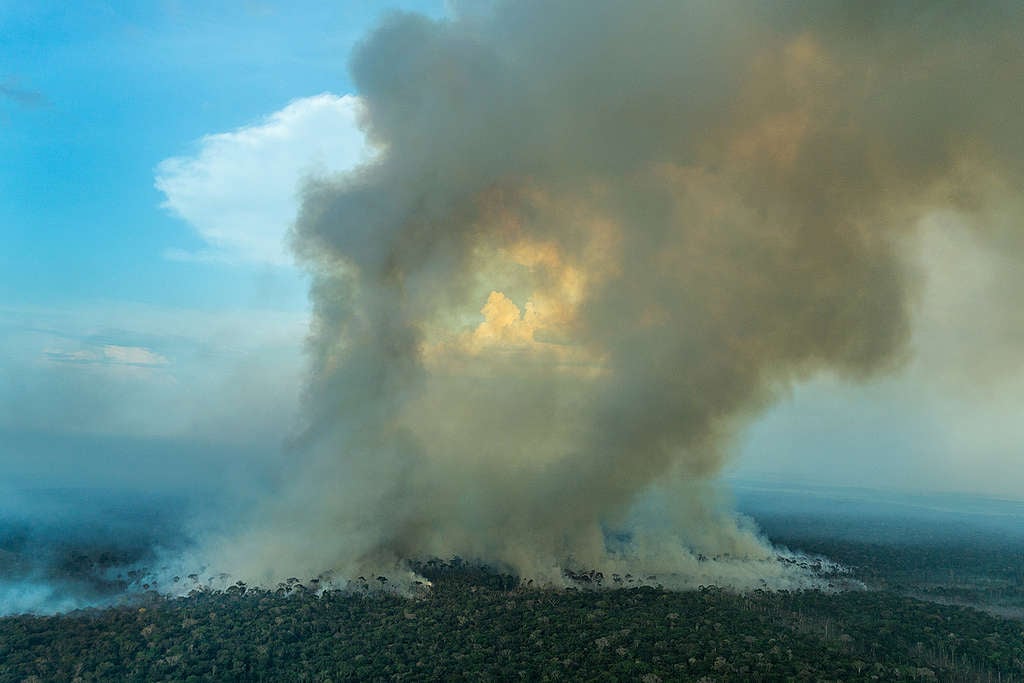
x=598, y=238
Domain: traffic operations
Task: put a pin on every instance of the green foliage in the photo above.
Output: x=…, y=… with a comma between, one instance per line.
x=982, y=572
x=480, y=625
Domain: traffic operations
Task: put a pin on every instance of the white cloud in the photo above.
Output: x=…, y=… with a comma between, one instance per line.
x=131, y=370
x=108, y=354
x=239, y=190
x=132, y=355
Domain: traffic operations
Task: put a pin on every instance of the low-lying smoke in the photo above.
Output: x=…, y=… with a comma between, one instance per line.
x=65, y=549
x=598, y=238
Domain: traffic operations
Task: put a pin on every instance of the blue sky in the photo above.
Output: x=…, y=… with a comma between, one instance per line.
x=121, y=318
x=141, y=304
x=114, y=89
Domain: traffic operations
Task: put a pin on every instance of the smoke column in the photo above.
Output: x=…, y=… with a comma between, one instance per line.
x=598, y=238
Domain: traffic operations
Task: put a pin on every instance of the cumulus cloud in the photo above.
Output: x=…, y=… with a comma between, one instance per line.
x=238, y=190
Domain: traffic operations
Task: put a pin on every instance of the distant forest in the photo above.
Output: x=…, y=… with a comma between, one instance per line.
x=476, y=624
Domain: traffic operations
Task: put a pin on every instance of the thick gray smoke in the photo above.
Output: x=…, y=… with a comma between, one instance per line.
x=598, y=238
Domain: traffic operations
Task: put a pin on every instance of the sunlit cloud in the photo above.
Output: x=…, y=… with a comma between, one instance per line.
x=239, y=189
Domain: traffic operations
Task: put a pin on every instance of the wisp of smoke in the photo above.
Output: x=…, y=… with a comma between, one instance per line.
x=600, y=236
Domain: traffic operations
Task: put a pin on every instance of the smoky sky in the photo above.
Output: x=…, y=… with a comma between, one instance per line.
x=598, y=238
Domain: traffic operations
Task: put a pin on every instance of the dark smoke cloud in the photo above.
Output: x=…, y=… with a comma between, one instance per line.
x=666, y=213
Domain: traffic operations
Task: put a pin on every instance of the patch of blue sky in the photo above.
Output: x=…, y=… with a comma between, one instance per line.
x=122, y=86
x=112, y=321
